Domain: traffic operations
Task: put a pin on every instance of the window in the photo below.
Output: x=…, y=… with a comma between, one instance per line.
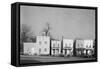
x=90, y=46
x=53, y=51
x=86, y=46
x=53, y=45
x=45, y=42
x=69, y=45
x=57, y=50
x=40, y=42
x=81, y=45
x=45, y=49
x=58, y=45
x=39, y=50
x=66, y=44
x=78, y=45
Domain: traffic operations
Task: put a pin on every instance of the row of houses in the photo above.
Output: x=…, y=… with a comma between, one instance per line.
x=65, y=47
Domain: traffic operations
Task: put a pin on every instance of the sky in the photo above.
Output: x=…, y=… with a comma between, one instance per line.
x=70, y=23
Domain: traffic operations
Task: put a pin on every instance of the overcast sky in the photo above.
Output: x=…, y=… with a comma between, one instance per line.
x=68, y=22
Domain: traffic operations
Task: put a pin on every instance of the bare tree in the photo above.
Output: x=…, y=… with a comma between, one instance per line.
x=26, y=35
x=47, y=29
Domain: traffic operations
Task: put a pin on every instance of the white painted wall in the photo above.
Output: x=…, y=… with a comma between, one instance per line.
x=88, y=44
x=84, y=43
x=30, y=48
x=69, y=43
x=55, y=44
x=43, y=42
x=79, y=44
